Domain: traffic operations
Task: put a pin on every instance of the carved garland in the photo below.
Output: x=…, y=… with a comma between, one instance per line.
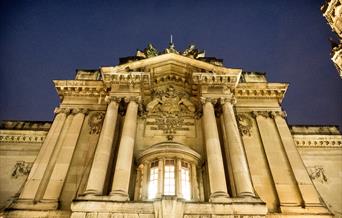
x=95, y=122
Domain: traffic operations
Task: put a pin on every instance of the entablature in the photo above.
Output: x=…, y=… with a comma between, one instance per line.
x=80, y=88
x=22, y=136
x=261, y=91
x=318, y=141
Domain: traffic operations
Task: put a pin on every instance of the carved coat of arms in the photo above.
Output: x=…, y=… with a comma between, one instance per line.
x=170, y=112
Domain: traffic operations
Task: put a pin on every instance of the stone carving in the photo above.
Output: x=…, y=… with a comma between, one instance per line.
x=193, y=52
x=21, y=168
x=95, y=122
x=169, y=103
x=245, y=124
x=171, y=49
x=170, y=112
x=317, y=173
x=170, y=124
x=148, y=52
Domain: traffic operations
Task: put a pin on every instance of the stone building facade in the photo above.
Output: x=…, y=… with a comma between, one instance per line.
x=169, y=134
x=332, y=11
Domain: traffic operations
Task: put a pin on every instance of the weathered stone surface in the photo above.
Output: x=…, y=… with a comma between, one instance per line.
x=169, y=135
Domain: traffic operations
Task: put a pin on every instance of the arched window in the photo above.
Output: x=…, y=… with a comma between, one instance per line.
x=168, y=169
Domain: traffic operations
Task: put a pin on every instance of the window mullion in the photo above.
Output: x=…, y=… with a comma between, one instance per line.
x=160, y=178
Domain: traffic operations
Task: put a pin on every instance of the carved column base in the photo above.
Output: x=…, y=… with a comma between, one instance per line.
x=92, y=192
x=219, y=197
x=118, y=195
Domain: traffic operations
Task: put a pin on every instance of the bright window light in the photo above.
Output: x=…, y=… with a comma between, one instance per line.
x=185, y=178
x=169, y=178
x=153, y=183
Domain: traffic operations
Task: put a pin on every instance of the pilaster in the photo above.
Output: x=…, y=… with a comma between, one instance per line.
x=56, y=182
x=41, y=163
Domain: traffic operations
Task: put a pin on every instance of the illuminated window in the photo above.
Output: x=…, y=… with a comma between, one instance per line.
x=185, y=178
x=153, y=184
x=169, y=177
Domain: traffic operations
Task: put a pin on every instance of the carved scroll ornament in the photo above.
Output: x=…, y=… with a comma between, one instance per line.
x=317, y=173
x=21, y=168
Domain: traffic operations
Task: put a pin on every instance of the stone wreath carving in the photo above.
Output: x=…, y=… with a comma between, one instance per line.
x=318, y=173
x=95, y=122
x=245, y=124
x=21, y=168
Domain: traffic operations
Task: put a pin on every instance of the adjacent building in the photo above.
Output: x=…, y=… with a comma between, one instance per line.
x=169, y=134
x=332, y=11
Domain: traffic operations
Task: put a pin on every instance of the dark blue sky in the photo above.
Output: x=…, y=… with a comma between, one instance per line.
x=45, y=40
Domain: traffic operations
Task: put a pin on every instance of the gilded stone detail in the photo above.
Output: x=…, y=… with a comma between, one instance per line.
x=21, y=168
x=95, y=122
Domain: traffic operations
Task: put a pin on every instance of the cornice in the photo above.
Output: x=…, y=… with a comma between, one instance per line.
x=261, y=91
x=214, y=79
x=171, y=57
x=318, y=141
x=22, y=136
x=80, y=88
x=130, y=78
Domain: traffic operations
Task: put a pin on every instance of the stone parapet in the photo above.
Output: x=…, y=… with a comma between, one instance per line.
x=169, y=207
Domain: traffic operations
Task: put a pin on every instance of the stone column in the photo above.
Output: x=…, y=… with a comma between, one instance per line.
x=243, y=182
x=43, y=158
x=125, y=154
x=194, y=183
x=218, y=188
x=59, y=173
x=228, y=162
x=103, y=151
x=306, y=188
x=160, y=191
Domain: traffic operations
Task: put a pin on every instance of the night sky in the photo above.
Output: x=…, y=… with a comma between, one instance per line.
x=45, y=40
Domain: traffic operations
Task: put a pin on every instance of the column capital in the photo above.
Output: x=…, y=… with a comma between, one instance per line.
x=265, y=114
x=62, y=110
x=269, y=114
x=75, y=111
x=274, y=114
x=228, y=99
x=136, y=99
x=109, y=99
x=212, y=100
